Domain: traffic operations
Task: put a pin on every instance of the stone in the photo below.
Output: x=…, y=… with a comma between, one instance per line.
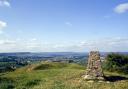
x=94, y=69
x=107, y=82
x=90, y=81
x=100, y=81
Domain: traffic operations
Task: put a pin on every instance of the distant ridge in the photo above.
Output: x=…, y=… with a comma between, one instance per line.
x=53, y=54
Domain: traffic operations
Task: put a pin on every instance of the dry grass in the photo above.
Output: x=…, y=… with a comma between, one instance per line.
x=57, y=76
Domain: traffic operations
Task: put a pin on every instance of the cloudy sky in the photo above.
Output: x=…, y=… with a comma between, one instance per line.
x=63, y=25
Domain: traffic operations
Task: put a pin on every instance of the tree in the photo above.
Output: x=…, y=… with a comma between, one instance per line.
x=116, y=62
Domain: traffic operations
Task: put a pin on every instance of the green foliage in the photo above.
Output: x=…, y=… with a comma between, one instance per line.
x=57, y=65
x=50, y=66
x=116, y=62
x=32, y=83
x=55, y=76
x=6, y=83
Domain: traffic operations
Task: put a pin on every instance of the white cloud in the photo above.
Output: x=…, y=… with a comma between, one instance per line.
x=107, y=44
x=110, y=44
x=33, y=39
x=121, y=8
x=7, y=42
x=68, y=23
x=2, y=24
x=4, y=3
x=1, y=32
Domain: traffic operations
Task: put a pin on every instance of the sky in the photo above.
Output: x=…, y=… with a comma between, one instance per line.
x=63, y=25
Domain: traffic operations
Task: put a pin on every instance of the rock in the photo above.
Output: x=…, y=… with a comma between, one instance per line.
x=94, y=68
x=90, y=81
x=107, y=82
x=100, y=81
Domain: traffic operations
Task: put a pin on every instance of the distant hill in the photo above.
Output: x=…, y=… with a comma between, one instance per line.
x=44, y=54
x=53, y=54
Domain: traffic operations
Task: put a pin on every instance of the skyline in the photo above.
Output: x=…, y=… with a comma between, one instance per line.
x=63, y=25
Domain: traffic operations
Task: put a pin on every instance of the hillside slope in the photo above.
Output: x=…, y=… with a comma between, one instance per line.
x=57, y=76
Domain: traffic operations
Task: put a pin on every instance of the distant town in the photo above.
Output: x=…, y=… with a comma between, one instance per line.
x=11, y=61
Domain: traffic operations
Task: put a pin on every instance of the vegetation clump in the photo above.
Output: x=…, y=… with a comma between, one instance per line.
x=55, y=75
x=116, y=63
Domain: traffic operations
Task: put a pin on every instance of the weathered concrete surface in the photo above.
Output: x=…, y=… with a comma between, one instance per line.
x=94, y=69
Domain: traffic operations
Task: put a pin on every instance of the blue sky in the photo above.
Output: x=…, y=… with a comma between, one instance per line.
x=63, y=25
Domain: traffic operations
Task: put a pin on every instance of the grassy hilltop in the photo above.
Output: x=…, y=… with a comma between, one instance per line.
x=57, y=76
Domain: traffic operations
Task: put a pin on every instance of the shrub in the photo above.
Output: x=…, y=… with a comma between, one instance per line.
x=116, y=62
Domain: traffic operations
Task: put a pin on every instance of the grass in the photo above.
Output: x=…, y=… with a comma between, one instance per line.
x=57, y=76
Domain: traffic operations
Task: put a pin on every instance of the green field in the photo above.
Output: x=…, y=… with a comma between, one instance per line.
x=57, y=76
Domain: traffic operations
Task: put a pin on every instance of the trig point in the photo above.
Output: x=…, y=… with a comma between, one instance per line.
x=94, y=69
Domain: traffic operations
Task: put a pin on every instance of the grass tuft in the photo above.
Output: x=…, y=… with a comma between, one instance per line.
x=58, y=76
